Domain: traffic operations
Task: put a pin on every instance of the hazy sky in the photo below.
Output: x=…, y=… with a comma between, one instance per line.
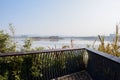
x=60, y=17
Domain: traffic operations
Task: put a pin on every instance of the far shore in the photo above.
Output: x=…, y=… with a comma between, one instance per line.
x=56, y=38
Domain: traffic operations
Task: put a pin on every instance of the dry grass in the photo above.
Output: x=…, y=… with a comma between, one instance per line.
x=110, y=48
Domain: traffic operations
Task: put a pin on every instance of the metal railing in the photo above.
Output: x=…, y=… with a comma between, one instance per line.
x=49, y=64
x=40, y=65
x=102, y=66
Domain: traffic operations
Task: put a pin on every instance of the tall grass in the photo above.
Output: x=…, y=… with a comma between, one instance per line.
x=112, y=48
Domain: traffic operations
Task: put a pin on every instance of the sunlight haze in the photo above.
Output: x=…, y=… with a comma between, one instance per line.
x=60, y=17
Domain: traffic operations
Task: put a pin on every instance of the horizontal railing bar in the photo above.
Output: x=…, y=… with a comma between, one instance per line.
x=105, y=55
x=37, y=52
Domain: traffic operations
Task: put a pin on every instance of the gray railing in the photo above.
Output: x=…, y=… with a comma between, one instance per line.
x=102, y=66
x=40, y=65
x=49, y=64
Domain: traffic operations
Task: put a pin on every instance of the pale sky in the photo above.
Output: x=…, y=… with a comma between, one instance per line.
x=60, y=17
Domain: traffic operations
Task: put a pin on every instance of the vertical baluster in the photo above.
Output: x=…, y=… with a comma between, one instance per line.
x=69, y=61
x=60, y=59
x=50, y=64
x=56, y=65
x=47, y=66
x=65, y=62
x=65, y=53
x=53, y=64
x=39, y=67
x=42, y=55
x=59, y=65
x=39, y=61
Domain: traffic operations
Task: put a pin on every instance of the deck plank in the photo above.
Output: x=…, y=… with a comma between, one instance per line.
x=83, y=75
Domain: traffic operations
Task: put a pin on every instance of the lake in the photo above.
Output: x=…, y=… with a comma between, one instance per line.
x=77, y=43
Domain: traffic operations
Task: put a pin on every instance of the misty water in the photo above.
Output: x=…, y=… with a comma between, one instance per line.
x=77, y=43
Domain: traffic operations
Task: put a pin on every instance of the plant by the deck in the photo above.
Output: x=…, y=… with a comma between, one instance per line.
x=112, y=48
x=6, y=44
x=33, y=66
x=27, y=45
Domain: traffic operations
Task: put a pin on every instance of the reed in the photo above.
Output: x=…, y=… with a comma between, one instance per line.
x=112, y=48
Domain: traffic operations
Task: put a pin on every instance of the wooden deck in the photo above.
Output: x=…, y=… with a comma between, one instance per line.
x=83, y=75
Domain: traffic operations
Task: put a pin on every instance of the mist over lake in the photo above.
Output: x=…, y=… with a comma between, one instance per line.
x=58, y=43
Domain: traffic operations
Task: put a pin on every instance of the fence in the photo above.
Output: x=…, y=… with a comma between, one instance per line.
x=49, y=64
x=102, y=66
x=40, y=65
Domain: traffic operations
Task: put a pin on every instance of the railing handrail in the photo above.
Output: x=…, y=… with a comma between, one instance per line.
x=37, y=52
x=59, y=62
x=105, y=55
x=103, y=66
x=102, y=54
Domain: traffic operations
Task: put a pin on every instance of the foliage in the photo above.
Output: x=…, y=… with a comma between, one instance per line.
x=27, y=45
x=13, y=68
x=35, y=67
x=6, y=44
x=38, y=66
x=27, y=67
x=110, y=48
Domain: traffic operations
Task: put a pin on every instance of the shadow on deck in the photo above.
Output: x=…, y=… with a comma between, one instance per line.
x=82, y=75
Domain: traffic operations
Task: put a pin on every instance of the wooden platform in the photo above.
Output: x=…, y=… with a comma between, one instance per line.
x=83, y=75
